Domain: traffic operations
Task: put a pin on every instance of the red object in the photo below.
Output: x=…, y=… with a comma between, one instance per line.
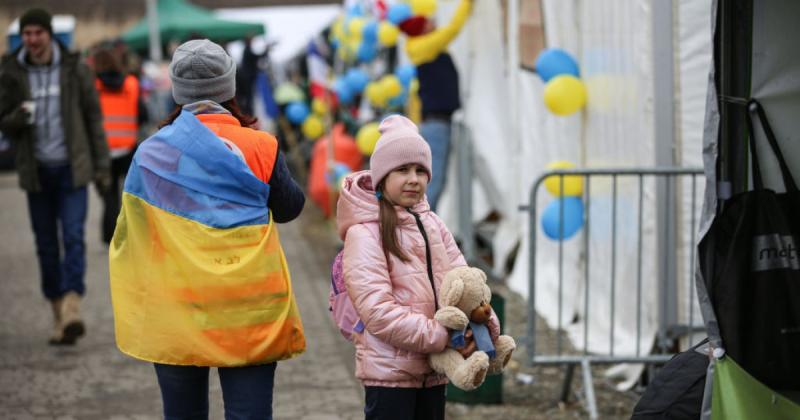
x=380, y=7
x=344, y=151
x=413, y=26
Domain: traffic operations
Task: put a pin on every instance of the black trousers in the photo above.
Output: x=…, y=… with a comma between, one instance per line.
x=113, y=197
x=404, y=403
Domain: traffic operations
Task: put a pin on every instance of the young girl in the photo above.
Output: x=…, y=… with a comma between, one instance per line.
x=396, y=253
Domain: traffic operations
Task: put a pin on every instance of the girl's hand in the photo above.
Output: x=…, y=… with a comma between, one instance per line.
x=470, y=346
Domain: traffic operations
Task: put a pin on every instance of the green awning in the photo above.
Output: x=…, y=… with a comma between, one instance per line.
x=180, y=20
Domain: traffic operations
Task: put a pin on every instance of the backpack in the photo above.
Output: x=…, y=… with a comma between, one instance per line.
x=341, y=307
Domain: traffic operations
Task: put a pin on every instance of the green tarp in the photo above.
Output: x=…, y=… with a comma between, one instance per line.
x=739, y=396
x=179, y=20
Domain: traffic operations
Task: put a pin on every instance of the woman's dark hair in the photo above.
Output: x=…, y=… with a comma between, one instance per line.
x=105, y=60
x=387, y=218
x=232, y=107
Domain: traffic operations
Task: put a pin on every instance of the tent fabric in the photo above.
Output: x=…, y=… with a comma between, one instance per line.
x=180, y=20
x=514, y=138
x=737, y=395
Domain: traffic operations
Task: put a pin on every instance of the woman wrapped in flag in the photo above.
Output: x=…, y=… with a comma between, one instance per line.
x=198, y=275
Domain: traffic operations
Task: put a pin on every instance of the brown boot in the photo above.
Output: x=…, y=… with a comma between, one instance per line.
x=71, y=323
x=58, y=332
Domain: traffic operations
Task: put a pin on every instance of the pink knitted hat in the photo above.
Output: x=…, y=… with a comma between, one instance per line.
x=399, y=144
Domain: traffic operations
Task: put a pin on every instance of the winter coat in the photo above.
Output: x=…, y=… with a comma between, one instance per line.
x=80, y=114
x=396, y=301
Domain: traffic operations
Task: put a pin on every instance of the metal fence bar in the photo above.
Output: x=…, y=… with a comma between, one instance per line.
x=560, y=265
x=692, y=234
x=587, y=232
x=613, y=260
x=586, y=359
x=639, y=269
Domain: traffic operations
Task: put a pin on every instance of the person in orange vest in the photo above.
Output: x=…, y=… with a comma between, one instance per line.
x=123, y=113
x=198, y=276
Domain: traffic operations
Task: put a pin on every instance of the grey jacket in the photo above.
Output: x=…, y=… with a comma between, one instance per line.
x=81, y=118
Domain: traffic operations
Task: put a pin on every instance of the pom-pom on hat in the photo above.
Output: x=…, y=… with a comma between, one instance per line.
x=399, y=144
x=414, y=26
x=202, y=70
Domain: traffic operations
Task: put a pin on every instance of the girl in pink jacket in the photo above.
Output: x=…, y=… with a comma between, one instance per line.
x=396, y=253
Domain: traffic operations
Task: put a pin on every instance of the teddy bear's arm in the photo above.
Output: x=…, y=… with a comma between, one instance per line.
x=452, y=318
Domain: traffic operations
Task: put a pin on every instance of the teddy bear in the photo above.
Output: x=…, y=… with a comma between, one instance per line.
x=464, y=301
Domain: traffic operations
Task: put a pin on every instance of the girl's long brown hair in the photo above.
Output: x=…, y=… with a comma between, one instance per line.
x=387, y=217
x=231, y=105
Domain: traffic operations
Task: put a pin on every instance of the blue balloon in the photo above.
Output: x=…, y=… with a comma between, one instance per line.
x=297, y=112
x=406, y=73
x=370, y=32
x=355, y=11
x=573, y=217
x=552, y=62
x=398, y=12
x=343, y=91
x=367, y=52
x=340, y=170
x=356, y=79
x=399, y=100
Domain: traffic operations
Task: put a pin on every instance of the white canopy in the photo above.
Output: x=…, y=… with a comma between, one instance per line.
x=290, y=28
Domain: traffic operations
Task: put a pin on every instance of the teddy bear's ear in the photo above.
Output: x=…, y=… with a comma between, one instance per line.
x=452, y=288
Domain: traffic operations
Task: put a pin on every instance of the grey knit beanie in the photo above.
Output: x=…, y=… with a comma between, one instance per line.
x=202, y=70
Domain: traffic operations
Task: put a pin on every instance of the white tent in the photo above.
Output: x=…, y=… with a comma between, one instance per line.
x=515, y=136
x=289, y=28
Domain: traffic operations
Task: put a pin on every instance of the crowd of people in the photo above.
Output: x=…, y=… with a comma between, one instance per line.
x=199, y=201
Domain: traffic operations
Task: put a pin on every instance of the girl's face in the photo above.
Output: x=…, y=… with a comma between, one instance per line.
x=406, y=185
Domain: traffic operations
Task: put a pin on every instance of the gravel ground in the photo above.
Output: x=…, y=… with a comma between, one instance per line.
x=539, y=399
x=536, y=400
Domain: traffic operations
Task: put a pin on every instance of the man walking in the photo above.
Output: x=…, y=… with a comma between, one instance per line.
x=49, y=109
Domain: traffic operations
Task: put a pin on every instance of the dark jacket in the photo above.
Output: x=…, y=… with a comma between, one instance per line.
x=80, y=113
x=438, y=86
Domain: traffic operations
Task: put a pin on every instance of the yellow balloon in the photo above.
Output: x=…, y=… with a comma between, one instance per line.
x=347, y=50
x=564, y=95
x=337, y=31
x=355, y=27
x=319, y=107
x=423, y=7
x=312, y=127
x=391, y=86
x=387, y=34
x=413, y=87
x=374, y=92
x=573, y=184
x=367, y=137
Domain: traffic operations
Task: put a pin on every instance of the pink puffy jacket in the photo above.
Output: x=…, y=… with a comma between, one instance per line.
x=395, y=300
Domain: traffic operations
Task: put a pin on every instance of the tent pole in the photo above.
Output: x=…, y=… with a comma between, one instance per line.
x=152, y=24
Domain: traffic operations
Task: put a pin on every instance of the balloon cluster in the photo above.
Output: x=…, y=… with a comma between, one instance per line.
x=392, y=90
x=564, y=92
x=568, y=191
x=310, y=120
x=357, y=36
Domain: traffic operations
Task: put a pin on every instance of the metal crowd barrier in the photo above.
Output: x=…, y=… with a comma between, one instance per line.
x=666, y=256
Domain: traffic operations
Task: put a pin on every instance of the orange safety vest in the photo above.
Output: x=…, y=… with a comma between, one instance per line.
x=258, y=148
x=120, y=113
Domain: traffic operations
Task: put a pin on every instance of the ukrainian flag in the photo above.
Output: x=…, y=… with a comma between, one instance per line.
x=198, y=276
